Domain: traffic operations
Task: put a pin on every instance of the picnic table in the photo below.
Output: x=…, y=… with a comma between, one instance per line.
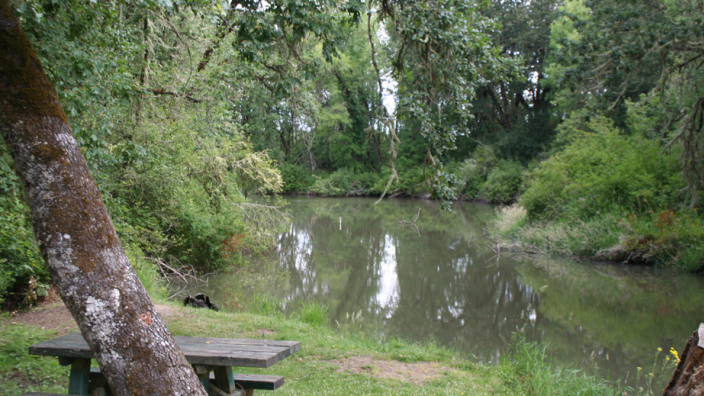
x=212, y=360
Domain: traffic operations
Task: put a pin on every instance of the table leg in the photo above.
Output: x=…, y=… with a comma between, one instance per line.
x=203, y=375
x=224, y=379
x=80, y=376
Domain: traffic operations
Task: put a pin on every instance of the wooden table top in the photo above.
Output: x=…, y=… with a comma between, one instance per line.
x=198, y=350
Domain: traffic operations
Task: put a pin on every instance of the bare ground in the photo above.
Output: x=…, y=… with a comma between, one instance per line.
x=416, y=373
x=54, y=315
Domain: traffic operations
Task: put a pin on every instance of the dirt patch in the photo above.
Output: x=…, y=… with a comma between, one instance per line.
x=265, y=332
x=55, y=316
x=168, y=311
x=415, y=373
x=51, y=316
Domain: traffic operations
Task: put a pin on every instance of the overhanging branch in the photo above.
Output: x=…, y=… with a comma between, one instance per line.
x=174, y=94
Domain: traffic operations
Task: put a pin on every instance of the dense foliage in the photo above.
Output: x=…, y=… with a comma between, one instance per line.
x=187, y=109
x=624, y=175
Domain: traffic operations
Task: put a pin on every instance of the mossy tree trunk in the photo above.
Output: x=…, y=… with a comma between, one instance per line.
x=688, y=379
x=136, y=352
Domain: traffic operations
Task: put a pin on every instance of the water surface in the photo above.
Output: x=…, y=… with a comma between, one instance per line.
x=441, y=279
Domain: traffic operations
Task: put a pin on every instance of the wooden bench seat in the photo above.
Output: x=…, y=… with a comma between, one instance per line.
x=247, y=382
x=255, y=381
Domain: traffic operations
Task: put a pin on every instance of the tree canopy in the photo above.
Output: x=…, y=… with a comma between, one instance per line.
x=186, y=109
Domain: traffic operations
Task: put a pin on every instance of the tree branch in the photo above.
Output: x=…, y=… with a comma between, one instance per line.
x=174, y=94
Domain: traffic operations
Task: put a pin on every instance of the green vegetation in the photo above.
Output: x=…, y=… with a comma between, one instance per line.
x=586, y=115
x=611, y=302
x=610, y=195
x=313, y=313
x=621, y=180
x=531, y=365
x=183, y=118
x=20, y=372
x=316, y=369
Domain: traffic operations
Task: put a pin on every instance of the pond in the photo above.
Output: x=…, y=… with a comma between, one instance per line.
x=440, y=279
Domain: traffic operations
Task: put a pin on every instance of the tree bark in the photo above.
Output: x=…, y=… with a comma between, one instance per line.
x=688, y=379
x=134, y=349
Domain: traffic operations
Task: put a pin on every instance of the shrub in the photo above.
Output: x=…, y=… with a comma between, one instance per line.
x=296, y=179
x=503, y=184
x=601, y=168
x=344, y=182
x=147, y=272
x=669, y=238
x=19, y=254
x=471, y=178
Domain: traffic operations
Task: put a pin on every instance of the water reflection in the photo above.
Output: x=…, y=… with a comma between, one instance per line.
x=443, y=281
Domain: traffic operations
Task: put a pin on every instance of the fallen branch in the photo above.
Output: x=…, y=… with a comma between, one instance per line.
x=403, y=220
x=184, y=272
x=405, y=223
x=177, y=293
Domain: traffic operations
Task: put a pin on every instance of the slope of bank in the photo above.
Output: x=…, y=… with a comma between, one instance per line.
x=330, y=363
x=667, y=239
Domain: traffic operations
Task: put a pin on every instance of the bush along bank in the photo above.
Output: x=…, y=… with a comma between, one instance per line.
x=608, y=195
x=481, y=177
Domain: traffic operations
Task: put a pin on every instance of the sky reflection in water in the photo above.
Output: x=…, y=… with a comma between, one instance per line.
x=442, y=281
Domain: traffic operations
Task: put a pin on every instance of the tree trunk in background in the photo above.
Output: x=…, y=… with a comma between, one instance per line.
x=136, y=352
x=688, y=379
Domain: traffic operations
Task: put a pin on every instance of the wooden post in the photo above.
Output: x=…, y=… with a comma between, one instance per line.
x=203, y=375
x=80, y=376
x=224, y=379
x=688, y=379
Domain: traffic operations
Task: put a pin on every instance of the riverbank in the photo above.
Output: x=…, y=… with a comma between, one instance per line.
x=665, y=239
x=330, y=363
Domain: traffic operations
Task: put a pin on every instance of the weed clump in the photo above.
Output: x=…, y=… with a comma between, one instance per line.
x=313, y=313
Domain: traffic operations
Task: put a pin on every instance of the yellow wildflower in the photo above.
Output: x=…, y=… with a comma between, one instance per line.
x=674, y=353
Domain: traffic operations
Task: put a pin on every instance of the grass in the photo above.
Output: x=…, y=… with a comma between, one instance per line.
x=313, y=313
x=531, y=365
x=569, y=237
x=315, y=370
x=666, y=239
x=20, y=372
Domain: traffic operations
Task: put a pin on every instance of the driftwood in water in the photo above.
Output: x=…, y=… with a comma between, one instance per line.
x=688, y=379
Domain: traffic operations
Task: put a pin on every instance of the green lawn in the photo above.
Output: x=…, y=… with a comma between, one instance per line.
x=330, y=363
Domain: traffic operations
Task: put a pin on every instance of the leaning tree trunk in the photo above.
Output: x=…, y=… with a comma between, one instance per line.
x=688, y=379
x=136, y=352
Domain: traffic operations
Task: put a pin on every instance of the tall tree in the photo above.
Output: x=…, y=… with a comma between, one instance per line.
x=516, y=114
x=134, y=349
x=648, y=50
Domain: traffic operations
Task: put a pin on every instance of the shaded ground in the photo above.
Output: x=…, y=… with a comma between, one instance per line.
x=53, y=315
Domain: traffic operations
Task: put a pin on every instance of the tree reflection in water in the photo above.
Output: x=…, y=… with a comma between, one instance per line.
x=444, y=283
